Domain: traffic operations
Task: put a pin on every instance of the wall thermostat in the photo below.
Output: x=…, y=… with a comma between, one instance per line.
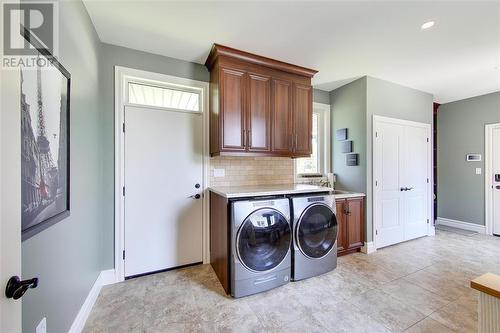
x=473, y=157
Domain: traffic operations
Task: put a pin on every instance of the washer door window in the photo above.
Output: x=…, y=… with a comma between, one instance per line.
x=263, y=240
x=317, y=231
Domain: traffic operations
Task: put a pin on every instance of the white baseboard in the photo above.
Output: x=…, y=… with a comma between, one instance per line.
x=368, y=248
x=107, y=277
x=461, y=225
x=104, y=278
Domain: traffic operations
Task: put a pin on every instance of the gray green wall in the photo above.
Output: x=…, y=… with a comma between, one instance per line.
x=460, y=131
x=348, y=110
x=353, y=106
x=321, y=96
x=67, y=257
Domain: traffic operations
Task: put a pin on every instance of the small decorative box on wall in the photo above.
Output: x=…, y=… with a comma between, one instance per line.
x=341, y=134
x=346, y=146
x=351, y=159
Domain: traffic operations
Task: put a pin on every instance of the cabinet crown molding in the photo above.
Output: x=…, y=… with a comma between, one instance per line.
x=221, y=50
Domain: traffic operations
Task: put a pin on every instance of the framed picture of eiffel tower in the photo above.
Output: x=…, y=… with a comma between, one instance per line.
x=45, y=111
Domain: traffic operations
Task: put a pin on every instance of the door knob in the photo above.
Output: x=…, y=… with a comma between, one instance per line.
x=195, y=196
x=16, y=288
x=403, y=189
x=409, y=188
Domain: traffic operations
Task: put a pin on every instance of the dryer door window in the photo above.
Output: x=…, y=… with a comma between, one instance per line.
x=316, y=231
x=263, y=240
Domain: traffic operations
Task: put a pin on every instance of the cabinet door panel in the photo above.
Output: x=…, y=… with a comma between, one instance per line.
x=259, y=113
x=341, y=226
x=281, y=116
x=232, y=109
x=355, y=225
x=302, y=119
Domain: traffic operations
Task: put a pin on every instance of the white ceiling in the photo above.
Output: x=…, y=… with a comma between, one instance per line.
x=453, y=60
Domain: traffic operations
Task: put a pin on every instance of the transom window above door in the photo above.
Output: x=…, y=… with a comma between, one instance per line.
x=163, y=97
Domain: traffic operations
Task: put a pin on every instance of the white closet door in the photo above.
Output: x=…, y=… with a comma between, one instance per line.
x=389, y=209
x=401, y=167
x=415, y=179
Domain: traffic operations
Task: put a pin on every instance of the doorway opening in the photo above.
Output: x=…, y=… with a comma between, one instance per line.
x=161, y=172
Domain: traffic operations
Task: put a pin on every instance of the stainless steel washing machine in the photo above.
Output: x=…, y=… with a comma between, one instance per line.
x=260, y=245
x=314, y=226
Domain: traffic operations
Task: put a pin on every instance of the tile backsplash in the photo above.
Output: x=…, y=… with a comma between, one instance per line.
x=252, y=171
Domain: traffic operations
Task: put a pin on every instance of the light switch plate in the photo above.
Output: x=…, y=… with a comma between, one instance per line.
x=478, y=171
x=219, y=173
x=42, y=326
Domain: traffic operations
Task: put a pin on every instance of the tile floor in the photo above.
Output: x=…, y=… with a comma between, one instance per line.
x=417, y=286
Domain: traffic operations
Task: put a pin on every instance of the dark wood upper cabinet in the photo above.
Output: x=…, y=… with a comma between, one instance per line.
x=282, y=117
x=258, y=106
x=259, y=113
x=232, y=92
x=302, y=115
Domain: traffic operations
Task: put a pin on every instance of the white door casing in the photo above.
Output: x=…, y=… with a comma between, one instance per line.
x=402, y=196
x=492, y=167
x=123, y=76
x=163, y=163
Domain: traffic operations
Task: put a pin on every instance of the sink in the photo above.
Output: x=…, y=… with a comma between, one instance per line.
x=340, y=192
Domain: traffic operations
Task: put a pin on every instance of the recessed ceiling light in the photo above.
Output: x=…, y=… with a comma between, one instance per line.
x=427, y=25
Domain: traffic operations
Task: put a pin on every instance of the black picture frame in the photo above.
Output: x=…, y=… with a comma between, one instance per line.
x=58, y=207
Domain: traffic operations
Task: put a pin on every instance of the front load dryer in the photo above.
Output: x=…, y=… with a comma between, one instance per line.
x=314, y=227
x=260, y=245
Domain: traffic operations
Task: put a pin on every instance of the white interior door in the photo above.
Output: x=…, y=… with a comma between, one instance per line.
x=388, y=164
x=415, y=175
x=401, y=162
x=495, y=149
x=163, y=164
x=10, y=196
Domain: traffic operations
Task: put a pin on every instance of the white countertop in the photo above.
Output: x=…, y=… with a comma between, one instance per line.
x=231, y=192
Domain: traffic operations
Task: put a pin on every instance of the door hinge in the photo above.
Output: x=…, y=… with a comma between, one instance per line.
x=376, y=232
x=376, y=134
x=123, y=128
x=376, y=183
x=123, y=254
x=123, y=190
x=427, y=180
x=427, y=139
x=427, y=221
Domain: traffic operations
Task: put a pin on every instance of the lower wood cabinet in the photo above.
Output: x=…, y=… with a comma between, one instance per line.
x=350, y=224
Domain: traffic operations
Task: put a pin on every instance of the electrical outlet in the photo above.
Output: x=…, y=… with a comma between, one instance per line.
x=219, y=173
x=478, y=171
x=42, y=326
